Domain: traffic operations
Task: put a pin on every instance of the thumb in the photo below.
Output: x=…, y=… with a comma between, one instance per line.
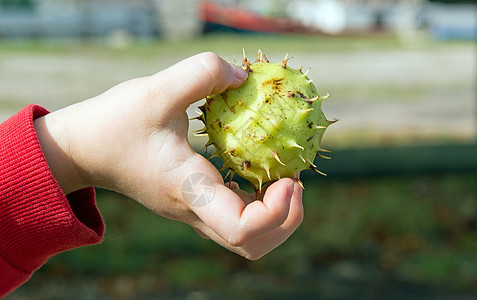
x=195, y=78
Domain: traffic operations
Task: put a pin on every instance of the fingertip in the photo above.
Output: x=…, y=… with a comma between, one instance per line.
x=286, y=186
x=297, y=213
x=278, y=196
x=290, y=188
x=232, y=185
x=221, y=77
x=239, y=74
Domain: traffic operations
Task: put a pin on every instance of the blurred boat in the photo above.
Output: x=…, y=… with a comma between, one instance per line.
x=231, y=19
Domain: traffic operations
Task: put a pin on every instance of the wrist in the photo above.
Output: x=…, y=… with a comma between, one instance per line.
x=52, y=134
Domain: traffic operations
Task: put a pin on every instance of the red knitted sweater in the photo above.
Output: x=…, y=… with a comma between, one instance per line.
x=36, y=219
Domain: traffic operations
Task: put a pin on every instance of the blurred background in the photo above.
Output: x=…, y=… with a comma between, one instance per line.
x=396, y=217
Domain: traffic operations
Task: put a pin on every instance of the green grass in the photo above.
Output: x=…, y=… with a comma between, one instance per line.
x=409, y=235
x=222, y=43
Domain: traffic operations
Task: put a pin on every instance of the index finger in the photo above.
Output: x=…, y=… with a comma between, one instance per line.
x=235, y=222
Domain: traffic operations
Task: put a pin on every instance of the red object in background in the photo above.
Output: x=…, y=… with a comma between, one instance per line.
x=242, y=20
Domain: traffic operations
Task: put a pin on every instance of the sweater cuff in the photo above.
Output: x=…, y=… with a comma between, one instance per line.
x=36, y=219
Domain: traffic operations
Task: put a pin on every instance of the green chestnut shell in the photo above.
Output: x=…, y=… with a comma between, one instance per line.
x=270, y=127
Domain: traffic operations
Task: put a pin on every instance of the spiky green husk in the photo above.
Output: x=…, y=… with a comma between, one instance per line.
x=270, y=127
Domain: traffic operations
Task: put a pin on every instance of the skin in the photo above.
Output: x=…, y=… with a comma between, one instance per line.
x=133, y=139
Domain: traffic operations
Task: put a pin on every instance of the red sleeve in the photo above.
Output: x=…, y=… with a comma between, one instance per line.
x=36, y=219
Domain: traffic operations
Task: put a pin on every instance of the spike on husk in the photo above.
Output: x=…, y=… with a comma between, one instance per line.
x=300, y=183
x=275, y=155
x=285, y=61
x=323, y=156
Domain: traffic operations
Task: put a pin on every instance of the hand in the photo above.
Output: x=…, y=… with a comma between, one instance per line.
x=133, y=139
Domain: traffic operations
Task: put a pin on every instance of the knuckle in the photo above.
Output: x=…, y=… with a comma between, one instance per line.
x=212, y=63
x=237, y=240
x=214, y=70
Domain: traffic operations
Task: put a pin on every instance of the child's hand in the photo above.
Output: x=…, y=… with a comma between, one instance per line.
x=133, y=139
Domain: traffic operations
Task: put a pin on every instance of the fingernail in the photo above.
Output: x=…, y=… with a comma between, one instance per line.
x=239, y=73
x=290, y=189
